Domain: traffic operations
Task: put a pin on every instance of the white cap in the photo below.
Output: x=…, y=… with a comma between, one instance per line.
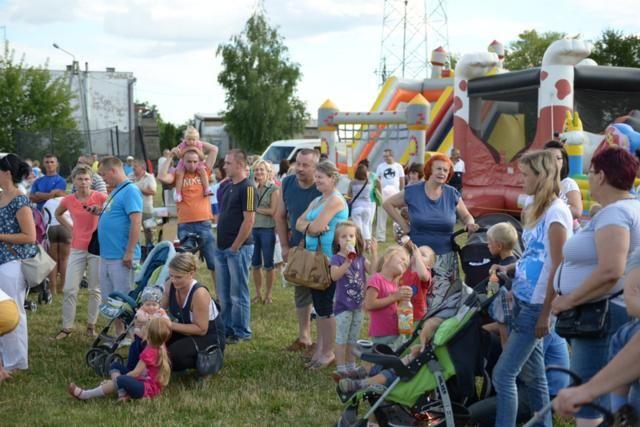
x=129, y=157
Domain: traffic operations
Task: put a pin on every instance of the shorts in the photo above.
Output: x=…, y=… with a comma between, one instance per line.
x=58, y=234
x=9, y=316
x=302, y=296
x=323, y=301
x=115, y=276
x=348, y=326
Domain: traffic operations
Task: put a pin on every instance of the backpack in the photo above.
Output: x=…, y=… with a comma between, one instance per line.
x=41, y=226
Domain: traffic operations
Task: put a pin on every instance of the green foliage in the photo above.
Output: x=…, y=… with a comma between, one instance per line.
x=31, y=101
x=170, y=134
x=260, y=81
x=527, y=51
x=615, y=48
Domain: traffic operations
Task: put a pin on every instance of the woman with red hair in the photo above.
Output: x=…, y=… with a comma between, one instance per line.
x=433, y=210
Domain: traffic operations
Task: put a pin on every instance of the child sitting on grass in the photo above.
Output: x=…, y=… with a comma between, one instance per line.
x=501, y=239
x=149, y=309
x=348, y=267
x=383, y=293
x=149, y=377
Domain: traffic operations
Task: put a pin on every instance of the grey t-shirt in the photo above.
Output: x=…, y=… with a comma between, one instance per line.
x=580, y=255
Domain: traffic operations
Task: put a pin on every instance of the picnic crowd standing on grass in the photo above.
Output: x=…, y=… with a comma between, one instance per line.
x=558, y=270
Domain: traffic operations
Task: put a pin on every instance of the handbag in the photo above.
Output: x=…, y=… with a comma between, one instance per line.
x=587, y=320
x=208, y=360
x=94, y=243
x=354, y=198
x=308, y=268
x=35, y=270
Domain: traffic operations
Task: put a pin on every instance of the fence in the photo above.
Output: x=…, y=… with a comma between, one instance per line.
x=67, y=144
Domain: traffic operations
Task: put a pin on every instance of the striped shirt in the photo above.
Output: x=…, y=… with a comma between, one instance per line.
x=236, y=199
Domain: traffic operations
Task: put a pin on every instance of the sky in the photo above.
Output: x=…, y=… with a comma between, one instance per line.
x=170, y=45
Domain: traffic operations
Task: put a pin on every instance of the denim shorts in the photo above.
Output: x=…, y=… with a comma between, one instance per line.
x=264, y=243
x=323, y=301
x=348, y=326
x=208, y=240
x=589, y=355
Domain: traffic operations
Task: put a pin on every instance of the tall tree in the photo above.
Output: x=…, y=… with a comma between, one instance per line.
x=31, y=101
x=527, y=51
x=615, y=48
x=260, y=82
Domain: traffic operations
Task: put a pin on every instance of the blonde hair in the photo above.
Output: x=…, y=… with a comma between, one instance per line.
x=359, y=239
x=388, y=253
x=267, y=167
x=328, y=168
x=503, y=233
x=81, y=169
x=184, y=262
x=190, y=131
x=543, y=165
x=158, y=333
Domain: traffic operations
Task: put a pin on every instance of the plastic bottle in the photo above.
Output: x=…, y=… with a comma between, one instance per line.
x=405, y=317
x=493, y=285
x=351, y=250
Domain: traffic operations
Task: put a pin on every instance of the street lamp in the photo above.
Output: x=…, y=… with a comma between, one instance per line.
x=65, y=51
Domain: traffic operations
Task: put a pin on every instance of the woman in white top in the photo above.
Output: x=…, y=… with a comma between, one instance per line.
x=569, y=190
x=360, y=201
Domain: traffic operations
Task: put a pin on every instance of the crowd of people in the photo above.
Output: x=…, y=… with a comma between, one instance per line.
x=248, y=218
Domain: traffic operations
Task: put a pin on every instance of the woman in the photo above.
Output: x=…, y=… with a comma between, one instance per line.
x=17, y=242
x=360, y=202
x=595, y=258
x=80, y=260
x=547, y=224
x=415, y=173
x=59, y=244
x=198, y=317
x=283, y=169
x=264, y=236
x=569, y=190
x=319, y=223
x=432, y=216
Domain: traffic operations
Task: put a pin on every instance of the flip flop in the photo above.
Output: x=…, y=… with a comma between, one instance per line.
x=64, y=333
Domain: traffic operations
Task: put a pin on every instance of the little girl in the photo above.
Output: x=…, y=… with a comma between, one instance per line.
x=148, y=378
x=348, y=271
x=383, y=294
x=149, y=309
x=192, y=141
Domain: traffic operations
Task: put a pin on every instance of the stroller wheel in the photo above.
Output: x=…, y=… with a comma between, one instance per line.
x=95, y=358
x=31, y=306
x=111, y=359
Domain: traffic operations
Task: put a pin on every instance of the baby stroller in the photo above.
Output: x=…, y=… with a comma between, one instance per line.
x=434, y=388
x=42, y=289
x=154, y=272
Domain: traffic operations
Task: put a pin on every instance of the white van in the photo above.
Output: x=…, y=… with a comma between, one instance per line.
x=287, y=149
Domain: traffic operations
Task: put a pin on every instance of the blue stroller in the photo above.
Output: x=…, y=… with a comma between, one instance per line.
x=154, y=272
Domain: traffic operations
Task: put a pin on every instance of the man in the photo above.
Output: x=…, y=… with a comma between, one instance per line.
x=458, y=169
x=194, y=210
x=146, y=183
x=118, y=230
x=128, y=167
x=235, y=248
x=166, y=155
x=297, y=193
x=97, y=183
x=391, y=177
x=49, y=185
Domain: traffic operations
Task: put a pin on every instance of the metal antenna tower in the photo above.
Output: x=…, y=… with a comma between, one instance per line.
x=410, y=30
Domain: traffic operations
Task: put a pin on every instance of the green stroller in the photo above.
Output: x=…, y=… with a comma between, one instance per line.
x=437, y=385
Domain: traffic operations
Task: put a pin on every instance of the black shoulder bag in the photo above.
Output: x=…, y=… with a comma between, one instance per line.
x=350, y=203
x=94, y=243
x=587, y=320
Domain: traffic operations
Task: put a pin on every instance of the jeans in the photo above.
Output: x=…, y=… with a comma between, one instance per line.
x=130, y=385
x=556, y=353
x=264, y=244
x=522, y=356
x=79, y=262
x=589, y=355
x=207, y=239
x=232, y=285
x=134, y=352
x=619, y=340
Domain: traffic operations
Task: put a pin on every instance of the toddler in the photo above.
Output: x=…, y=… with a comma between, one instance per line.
x=190, y=142
x=149, y=309
x=501, y=239
x=418, y=277
x=348, y=267
x=383, y=293
x=149, y=377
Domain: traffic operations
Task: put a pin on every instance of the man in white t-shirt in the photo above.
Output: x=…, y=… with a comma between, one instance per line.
x=458, y=170
x=391, y=177
x=147, y=185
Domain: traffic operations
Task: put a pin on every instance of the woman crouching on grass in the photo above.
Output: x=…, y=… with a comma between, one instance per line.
x=149, y=377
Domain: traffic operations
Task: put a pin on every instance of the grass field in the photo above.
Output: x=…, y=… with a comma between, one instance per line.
x=261, y=384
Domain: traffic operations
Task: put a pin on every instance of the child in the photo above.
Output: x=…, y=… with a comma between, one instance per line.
x=349, y=275
x=418, y=277
x=149, y=309
x=501, y=239
x=148, y=378
x=383, y=294
x=191, y=141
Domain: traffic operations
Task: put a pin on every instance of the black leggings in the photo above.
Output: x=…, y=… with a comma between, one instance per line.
x=182, y=350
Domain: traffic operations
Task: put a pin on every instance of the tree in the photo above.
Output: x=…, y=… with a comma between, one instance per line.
x=32, y=102
x=527, y=51
x=260, y=82
x=614, y=48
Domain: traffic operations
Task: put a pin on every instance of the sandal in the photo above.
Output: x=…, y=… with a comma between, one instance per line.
x=74, y=391
x=64, y=333
x=91, y=331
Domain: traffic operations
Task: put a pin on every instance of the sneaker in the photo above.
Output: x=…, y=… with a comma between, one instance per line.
x=348, y=386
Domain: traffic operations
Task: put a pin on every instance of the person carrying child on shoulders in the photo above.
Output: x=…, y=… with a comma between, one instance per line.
x=192, y=142
x=348, y=267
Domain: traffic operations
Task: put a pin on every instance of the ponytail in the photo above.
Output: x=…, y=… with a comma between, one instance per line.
x=164, y=366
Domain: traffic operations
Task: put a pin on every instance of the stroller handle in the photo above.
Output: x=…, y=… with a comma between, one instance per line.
x=124, y=298
x=462, y=231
